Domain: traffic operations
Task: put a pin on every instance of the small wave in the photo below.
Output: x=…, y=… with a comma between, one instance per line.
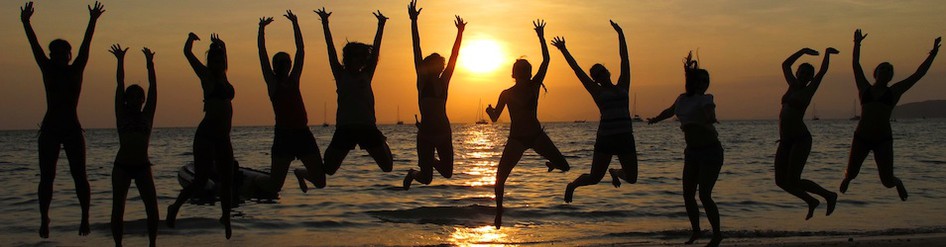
x=935, y=162
x=475, y=215
x=684, y=233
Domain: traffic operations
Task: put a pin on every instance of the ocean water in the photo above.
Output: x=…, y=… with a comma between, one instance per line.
x=364, y=206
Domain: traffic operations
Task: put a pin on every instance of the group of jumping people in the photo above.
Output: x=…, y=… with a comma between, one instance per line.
x=356, y=123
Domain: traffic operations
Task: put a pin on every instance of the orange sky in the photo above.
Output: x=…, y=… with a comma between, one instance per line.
x=742, y=43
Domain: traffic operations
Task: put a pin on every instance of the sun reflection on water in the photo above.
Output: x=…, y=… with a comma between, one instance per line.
x=479, y=236
x=483, y=155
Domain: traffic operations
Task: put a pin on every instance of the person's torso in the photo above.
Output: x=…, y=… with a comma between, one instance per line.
x=288, y=105
x=432, y=101
x=63, y=84
x=218, y=107
x=877, y=104
x=613, y=104
x=792, y=115
x=523, y=103
x=355, y=99
x=134, y=136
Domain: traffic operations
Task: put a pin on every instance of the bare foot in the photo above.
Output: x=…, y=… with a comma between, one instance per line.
x=811, y=209
x=172, y=215
x=84, y=228
x=498, y=222
x=902, y=191
x=844, y=184
x=300, y=176
x=569, y=192
x=832, y=201
x=694, y=236
x=717, y=238
x=553, y=167
x=408, y=179
x=615, y=180
x=550, y=166
x=44, y=228
x=226, y=225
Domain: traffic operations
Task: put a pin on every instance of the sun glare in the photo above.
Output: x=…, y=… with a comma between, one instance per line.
x=481, y=55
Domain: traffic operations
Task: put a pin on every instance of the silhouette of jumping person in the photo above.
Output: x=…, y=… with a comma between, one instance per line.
x=703, y=156
x=615, y=131
x=212, y=147
x=355, y=118
x=433, y=82
x=134, y=125
x=293, y=139
x=873, y=131
x=525, y=131
x=794, y=138
x=60, y=128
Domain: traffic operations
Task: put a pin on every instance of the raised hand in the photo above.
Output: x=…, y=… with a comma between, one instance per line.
x=117, y=50
x=559, y=42
x=26, y=12
x=322, y=14
x=809, y=51
x=539, y=26
x=289, y=15
x=936, y=45
x=192, y=37
x=412, y=10
x=96, y=11
x=831, y=50
x=215, y=38
x=616, y=27
x=859, y=36
x=689, y=62
x=263, y=21
x=148, y=53
x=381, y=18
x=461, y=25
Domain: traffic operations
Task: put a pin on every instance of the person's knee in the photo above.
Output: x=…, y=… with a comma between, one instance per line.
x=889, y=181
x=706, y=197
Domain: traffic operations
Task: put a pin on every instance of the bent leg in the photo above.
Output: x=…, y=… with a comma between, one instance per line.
x=333, y=159
x=789, y=162
x=223, y=161
x=382, y=155
x=279, y=168
x=425, y=161
x=444, y=166
x=149, y=197
x=49, y=148
x=709, y=173
x=629, y=168
x=546, y=148
x=203, y=168
x=883, y=155
x=691, y=174
x=599, y=166
x=74, y=146
x=314, y=171
x=120, y=183
x=512, y=153
x=856, y=158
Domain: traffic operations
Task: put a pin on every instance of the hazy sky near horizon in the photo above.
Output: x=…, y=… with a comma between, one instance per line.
x=741, y=43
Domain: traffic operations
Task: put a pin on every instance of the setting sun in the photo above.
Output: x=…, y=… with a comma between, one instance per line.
x=481, y=55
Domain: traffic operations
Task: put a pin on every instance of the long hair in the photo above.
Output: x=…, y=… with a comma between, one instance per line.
x=697, y=79
x=522, y=67
x=217, y=58
x=354, y=51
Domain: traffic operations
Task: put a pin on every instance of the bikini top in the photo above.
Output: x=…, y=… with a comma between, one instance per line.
x=222, y=91
x=790, y=100
x=133, y=122
x=886, y=98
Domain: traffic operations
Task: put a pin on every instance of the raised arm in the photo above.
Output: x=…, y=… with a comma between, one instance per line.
x=297, y=66
x=376, y=50
x=667, y=113
x=268, y=73
x=332, y=53
x=413, y=12
x=859, y=79
x=26, y=12
x=83, y=57
x=816, y=81
x=904, y=85
x=586, y=81
x=544, y=66
x=624, y=80
x=151, y=104
x=119, y=53
x=787, y=64
x=454, y=53
x=198, y=67
x=494, y=113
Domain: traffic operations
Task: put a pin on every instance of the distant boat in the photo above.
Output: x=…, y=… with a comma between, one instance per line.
x=579, y=121
x=637, y=118
x=324, y=112
x=855, y=117
x=399, y=122
x=479, y=110
x=814, y=113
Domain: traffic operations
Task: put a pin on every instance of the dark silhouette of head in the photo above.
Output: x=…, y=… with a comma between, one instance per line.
x=600, y=75
x=883, y=73
x=433, y=64
x=697, y=81
x=355, y=56
x=60, y=51
x=217, y=58
x=804, y=74
x=522, y=70
x=134, y=97
x=282, y=64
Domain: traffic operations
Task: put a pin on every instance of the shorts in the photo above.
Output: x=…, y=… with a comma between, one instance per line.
x=133, y=171
x=294, y=142
x=709, y=156
x=616, y=144
x=365, y=136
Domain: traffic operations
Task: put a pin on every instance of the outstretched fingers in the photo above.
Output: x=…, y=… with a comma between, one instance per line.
x=97, y=10
x=380, y=16
x=323, y=15
x=289, y=15
x=558, y=42
x=117, y=50
x=148, y=53
x=459, y=23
